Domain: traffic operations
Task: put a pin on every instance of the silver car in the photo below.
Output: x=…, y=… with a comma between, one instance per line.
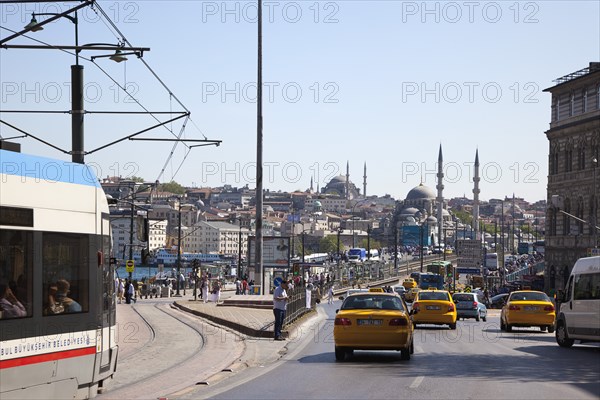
x=468, y=305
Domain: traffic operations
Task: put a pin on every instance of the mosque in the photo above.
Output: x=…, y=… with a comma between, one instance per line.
x=418, y=215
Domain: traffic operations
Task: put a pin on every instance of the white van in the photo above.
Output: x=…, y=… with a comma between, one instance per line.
x=579, y=313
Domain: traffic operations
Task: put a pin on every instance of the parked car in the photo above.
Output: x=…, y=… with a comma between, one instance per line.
x=468, y=305
x=373, y=321
x=528, y=308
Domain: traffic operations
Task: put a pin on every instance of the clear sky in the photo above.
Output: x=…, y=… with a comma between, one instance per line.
x=376, y=82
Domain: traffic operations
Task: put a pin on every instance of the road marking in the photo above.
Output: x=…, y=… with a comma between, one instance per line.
x=416, y=382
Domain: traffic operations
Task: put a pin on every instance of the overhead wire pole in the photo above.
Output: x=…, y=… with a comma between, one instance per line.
x=258, y=257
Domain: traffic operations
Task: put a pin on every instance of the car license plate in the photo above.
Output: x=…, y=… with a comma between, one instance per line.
x=530, y=308
x=432, y=307
x=369, y=321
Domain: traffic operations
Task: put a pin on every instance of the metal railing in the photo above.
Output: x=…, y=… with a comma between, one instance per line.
x=296, y=307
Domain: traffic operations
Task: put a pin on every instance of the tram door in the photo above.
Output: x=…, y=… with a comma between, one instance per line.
x=108, y=296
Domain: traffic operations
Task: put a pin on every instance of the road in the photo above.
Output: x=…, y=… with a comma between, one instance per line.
x=476, y=361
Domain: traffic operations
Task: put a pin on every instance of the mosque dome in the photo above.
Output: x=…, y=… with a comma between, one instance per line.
x=420, y=192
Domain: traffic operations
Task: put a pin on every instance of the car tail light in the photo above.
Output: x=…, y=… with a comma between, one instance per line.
x=549, y=308
x=474, y=304
x=343, y=321
x=399, y=322
x=450, y=307
x=415, y=307
x=514, y=308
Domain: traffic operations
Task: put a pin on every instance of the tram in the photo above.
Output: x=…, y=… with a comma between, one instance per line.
x=57, y=288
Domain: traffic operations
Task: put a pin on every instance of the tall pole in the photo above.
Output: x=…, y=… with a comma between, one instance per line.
x=77, y=111
x=240, y=251
x=131, y=229
x=303, y=246
x=421, y=231
x=369, y=243
x=178, y=247
x=595, y=206
x=258, y=259
x=396, y=247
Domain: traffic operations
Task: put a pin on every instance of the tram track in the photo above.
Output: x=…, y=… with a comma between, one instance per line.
x=165, y=356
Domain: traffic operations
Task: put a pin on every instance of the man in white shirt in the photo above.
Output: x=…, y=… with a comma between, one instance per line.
x=280, y=299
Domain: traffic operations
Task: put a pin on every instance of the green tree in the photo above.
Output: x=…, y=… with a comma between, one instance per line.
x=328, y=244
x=374, y=244
x=172, y=187
x=137, y=179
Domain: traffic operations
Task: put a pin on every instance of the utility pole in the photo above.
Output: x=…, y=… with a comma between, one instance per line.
x=131, y=228
x=178, y=247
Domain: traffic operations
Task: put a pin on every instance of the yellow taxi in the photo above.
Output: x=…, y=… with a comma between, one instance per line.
x=434, y=307
x=528, y=308
x=411, y=294
x=376, y=290
x=409, y=283
x=373, y=321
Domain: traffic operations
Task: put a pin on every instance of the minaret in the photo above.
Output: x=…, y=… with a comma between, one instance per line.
x=311, y=185
x=476, y=191
x=440, y=196
x=365, y=181
x=347, y=180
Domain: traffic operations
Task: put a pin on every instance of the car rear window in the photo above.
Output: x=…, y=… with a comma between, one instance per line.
x=433, y=296
x=463, y=297
x=529, y=296
x=373, y=302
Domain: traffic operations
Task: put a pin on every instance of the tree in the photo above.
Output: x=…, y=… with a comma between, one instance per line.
x=137, y=179
x=328, y=244
x=172, y=187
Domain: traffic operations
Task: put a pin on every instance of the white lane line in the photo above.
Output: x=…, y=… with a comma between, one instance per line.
x=416, y=382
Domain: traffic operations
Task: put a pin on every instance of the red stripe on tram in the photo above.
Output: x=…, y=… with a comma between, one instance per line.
x=61, y=355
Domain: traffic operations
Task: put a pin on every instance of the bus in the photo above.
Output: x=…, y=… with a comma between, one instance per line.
x=55, y=262
x=525, y=248
x=540, y=246
x=439, y=267
x=430, y=280
x=491, y=261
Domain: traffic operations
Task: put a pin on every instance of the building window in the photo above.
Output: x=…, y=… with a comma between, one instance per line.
x=566, y=218
x=558, y=107
x=581, y=158
x=572, y=105
x=568, y=159
x=580, y=216
x=552, y=218
x=584, y=96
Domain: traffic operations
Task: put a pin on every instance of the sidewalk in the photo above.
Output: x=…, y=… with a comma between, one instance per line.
x=250, y=315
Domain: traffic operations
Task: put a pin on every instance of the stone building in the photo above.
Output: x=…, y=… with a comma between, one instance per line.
x=574, y=140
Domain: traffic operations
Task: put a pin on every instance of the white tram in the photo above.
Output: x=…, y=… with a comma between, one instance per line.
x=57, y=291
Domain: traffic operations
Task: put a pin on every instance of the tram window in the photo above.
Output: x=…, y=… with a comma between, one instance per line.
x=16, y=268
x=65, y=273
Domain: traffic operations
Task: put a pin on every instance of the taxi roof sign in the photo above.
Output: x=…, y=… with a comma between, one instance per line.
x=129, y=266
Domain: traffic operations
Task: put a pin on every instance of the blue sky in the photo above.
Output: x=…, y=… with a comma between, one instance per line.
x=377, y=82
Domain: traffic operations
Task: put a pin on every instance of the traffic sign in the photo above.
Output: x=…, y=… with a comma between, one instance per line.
x=129, y=266
x=277, y=281
x=468, y=253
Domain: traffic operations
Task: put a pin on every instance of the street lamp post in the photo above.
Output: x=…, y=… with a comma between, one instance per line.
x=354, y=220
x=303, y=234
x=422, y=244
x=595, y=205
x=178, y=246
x=369, y=243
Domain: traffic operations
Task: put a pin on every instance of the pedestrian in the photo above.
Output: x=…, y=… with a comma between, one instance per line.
x=280, y=299
x=121, y=291
x=129, y=292
x=204, y=288
x=244, y=286
x=330, y=295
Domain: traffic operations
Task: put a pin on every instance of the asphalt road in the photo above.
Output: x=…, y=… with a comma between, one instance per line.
x=477, y=361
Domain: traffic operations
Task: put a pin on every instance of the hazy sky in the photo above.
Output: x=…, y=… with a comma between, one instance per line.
x=381, y=82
